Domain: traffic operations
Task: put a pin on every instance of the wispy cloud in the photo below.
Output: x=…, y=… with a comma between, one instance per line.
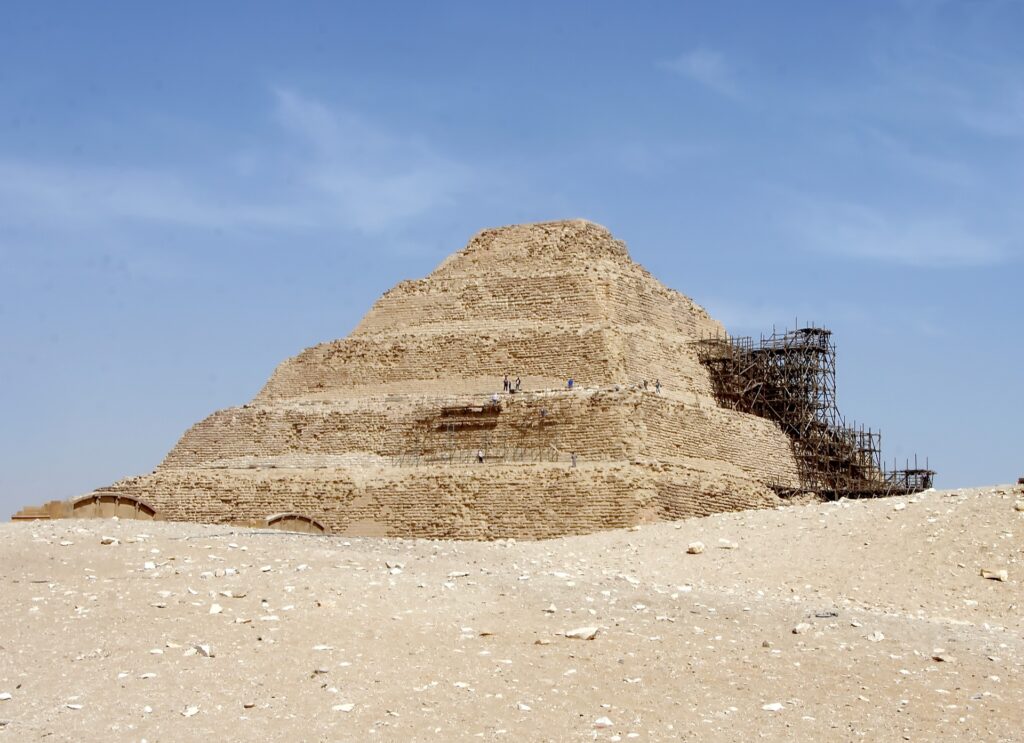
x=944, y=83
x=1004, y=119
x=708, y=68
x=373, y=178
x=79, y=196
x=859, y=231
x=326, y=169
x=909, y=157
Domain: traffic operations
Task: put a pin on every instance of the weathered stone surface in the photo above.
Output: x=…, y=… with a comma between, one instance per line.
x=381, y=433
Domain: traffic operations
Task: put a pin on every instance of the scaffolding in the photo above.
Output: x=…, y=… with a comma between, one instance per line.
x=790, y=378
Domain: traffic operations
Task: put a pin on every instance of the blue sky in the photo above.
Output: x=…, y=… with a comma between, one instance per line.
x=191, y=192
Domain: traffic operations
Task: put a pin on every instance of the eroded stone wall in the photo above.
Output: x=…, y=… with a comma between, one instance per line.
x=377, y=433
x=468, y=502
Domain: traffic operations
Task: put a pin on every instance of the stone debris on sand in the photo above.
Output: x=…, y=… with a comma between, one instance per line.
x=500, y=653
x=695, y=548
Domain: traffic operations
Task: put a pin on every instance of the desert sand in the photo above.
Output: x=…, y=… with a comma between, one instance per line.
x=852, y=620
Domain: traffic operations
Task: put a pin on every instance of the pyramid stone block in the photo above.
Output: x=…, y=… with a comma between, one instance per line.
x=381, y=433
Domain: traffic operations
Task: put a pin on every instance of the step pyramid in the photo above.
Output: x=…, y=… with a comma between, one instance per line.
x=383, y=432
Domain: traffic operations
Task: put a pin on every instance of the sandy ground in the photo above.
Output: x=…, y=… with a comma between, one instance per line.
x=898, y=637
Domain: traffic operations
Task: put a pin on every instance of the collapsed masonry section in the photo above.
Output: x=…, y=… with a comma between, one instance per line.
x=790, y=378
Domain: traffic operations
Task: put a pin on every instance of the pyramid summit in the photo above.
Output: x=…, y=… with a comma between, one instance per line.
x=549, y=301
x=407, y=428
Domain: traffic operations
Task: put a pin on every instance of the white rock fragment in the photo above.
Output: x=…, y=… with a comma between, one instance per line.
x=204, y=650
x=73, y=706
x=899, y=506
x=695, y=548
x=216, y=608
x=458, y=574
x=149, y=565
x=603, y=722
x=1000, y=575
x=876, y=636
x=550, y=609
x=523, y=707
x=801, y=628
x=581, y=633
x=347, y=707
x=773, y=707
x=110, y=540
x=5, y=696
x=190, y=711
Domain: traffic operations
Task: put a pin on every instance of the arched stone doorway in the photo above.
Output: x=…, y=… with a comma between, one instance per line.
x=109, y=505
x=296, y=522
